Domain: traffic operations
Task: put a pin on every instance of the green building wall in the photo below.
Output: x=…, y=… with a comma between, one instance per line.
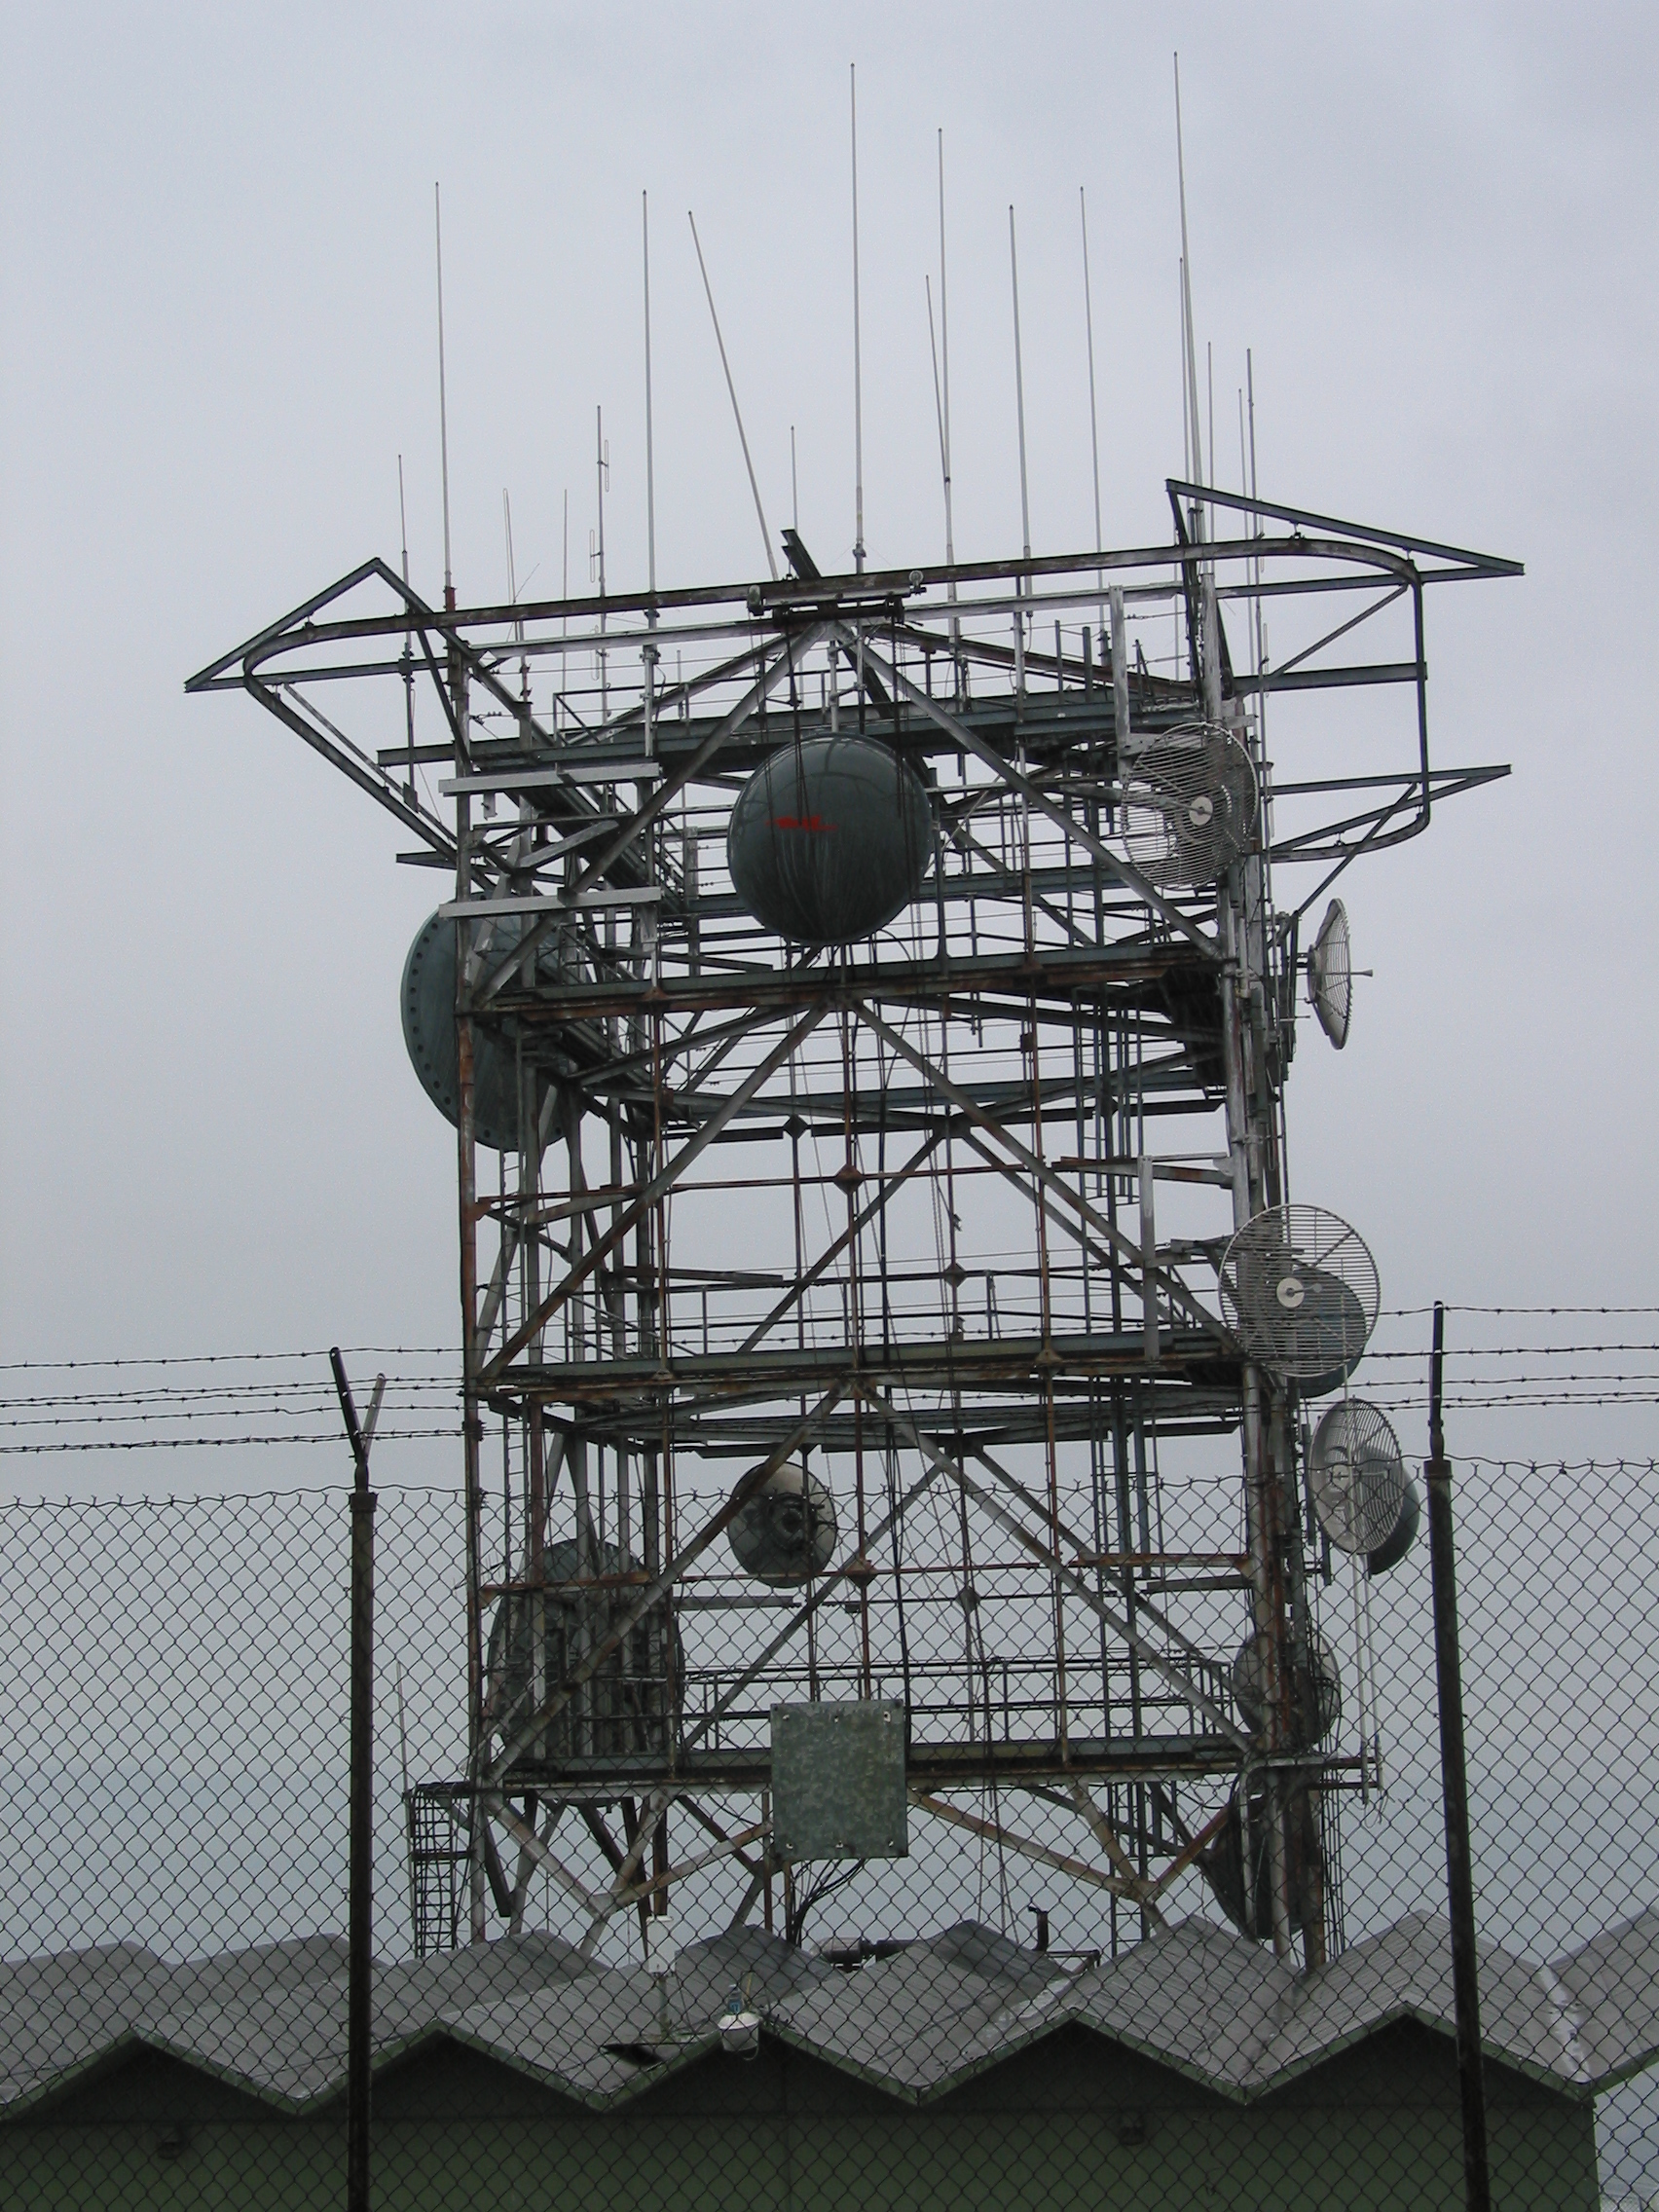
x=1072, y=2122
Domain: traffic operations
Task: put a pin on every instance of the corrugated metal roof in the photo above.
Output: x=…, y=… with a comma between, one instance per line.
x=1214, y=2008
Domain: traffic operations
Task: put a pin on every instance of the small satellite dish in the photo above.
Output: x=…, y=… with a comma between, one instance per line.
x=787, y=1530
x=1357, y=1476
x=1299, y=1290
x=1330, y=974
x=1250, y=1683
x=1189, y=806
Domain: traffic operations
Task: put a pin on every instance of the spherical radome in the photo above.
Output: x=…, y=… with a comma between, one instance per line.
x=830, y=838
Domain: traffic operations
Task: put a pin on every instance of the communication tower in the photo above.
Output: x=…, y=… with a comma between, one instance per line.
x=865, y=1004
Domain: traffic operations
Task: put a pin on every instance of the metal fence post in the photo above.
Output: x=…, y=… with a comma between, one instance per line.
x=360, y=1934
x=1459, y=1871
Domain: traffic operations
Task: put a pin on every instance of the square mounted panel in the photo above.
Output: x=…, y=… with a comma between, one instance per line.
x=839, y=1780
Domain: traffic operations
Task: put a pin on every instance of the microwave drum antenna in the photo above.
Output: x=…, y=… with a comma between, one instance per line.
x=1189, y=806
x=1356, y=1475
x=1299, y=1290
x=1330, y=974
x=428, y=998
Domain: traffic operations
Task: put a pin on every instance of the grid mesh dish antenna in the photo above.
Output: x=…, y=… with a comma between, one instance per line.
x=1299, y=1290
x=1357, y=1474
x=1330, y=974
x=1189, y=806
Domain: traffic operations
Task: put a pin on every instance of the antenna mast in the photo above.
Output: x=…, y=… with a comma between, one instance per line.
x=1088, y=327
x=443, y=401
x=1197, y=459
x=943, y=371
x=858, y=359
x=1019, y=391
x=650, y=457
x=408, y=645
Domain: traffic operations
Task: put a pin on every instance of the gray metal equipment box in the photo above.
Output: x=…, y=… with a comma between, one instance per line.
x=839, y=1780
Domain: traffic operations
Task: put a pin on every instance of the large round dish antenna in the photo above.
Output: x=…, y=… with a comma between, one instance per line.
x=430, y=1032
x=830, y=838
x=1356, y=1475
x=1189, y=806
x=1299, y=1290
x=1330, y=974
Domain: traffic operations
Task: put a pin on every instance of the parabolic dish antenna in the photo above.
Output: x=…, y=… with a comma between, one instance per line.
x=1330, y=974
x=1357, y=1476
x=1189, y=806
x=1299, y=1290
x=1250, y=1684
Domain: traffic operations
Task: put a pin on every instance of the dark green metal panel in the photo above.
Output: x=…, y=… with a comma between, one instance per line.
x=839, y=1780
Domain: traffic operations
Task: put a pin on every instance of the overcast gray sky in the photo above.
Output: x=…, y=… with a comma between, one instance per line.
x=1435, y=228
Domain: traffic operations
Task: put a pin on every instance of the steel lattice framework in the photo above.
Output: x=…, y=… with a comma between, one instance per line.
x=888, y=1211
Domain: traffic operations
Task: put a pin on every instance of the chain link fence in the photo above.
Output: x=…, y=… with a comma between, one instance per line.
x=1002, y=2016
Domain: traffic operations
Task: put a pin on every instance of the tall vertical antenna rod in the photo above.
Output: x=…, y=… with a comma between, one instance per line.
x=408, y=646
x=563, y=620
x=1186, y=397
x=766, y=534
x=599, y=471
x=1197, y=462
x=1088, y=327
x=443, y=401
x=945, y=372
x=512, y=591
x=1255, y=566
x=1019, y=391
x=938, y=418
x=651, y=457
x=795, y=485
x=857, y=357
